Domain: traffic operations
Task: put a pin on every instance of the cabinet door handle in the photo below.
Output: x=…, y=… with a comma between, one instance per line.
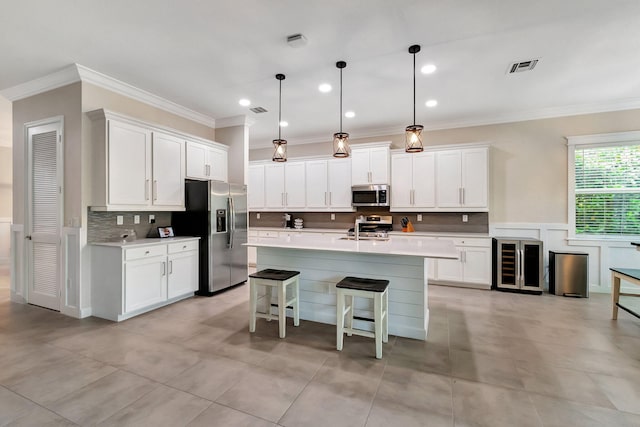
x=463, y=196
x=325, y=198
x=286, y=199
x=170, y=267
x=330, y=198
x=146, y=189
x=155, y=189
x=282, y=199
x=208, y=170
x=164, y=268
x=205, y=170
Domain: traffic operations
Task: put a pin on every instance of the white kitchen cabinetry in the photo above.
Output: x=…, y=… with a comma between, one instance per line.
x=473, y=266
x=138, y=166
x=284, y=185
x=370, y=164
x=328, y=184
x=255, y=188
x=132, y=278
x=413, y=181
x=462, y=179
x=206, y=162
x=168, y=171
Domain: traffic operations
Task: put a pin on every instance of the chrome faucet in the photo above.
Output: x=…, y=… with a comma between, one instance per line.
x=356, y=229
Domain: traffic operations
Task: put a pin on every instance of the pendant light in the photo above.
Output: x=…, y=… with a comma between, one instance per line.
x=413, y=133
x=341, y=139
x=280, y=152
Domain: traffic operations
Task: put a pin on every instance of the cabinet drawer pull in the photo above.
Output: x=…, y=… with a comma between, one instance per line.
x=164, y=268
x=170, y=267
x=146, y=189
x=146, y=252
x=184, y=247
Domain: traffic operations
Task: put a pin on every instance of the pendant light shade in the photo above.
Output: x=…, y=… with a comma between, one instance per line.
x=341, y=139
x=413, y=133
x=280, y=145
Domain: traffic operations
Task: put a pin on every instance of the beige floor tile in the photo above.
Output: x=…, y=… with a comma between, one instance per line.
x=13, y=406
x=387, y=413
x=564, y=383
x=164, y=406
x=556, y=412
x=421, y=356
x=485, y=369
x=322, y=404
x=51, y=381
x=263, y=393
x=476, y=404
x=624, y=393
x=40, y=417
x=211, y=377
x=219, y=415
x=101, y=399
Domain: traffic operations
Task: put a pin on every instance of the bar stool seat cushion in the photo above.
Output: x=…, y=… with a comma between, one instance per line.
x=357, y=283
x=272, y=274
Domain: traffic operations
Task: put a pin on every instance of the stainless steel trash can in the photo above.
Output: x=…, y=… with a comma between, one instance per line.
x=569, y=274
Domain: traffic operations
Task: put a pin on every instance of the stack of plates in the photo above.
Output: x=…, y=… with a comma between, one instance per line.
x=297, y=223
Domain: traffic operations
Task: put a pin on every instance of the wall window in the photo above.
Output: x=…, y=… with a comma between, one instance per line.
x=604, y=185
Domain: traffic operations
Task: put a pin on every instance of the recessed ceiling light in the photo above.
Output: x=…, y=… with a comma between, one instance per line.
x=431, y=103
x=284, y=124
x=324, y=88
x=244, y=102
x=350, y=114
x=428, y=69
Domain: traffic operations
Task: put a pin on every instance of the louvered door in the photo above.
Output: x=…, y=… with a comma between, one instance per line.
x=44, y=223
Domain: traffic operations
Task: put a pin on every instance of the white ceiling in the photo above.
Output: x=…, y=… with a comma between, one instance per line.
x=206, y=55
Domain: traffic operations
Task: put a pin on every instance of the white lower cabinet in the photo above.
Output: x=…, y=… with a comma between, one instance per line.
x=133, y=278
x=473, y=267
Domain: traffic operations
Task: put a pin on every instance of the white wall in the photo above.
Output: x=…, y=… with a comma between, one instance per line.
x=6, y=130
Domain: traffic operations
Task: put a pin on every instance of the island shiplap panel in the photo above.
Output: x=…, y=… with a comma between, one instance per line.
x=321, y=270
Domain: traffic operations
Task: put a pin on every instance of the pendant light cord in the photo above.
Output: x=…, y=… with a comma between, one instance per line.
x=340, y=100
x=414, y=89
x=280, y=110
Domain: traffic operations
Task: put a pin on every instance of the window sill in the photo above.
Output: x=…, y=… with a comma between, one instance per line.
x=617, y=242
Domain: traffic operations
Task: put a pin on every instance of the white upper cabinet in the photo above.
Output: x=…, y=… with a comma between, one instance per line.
x=168, y=170
x=370, y=164
x=206, y=162
x=139, y=166
x=127, y=172
x=462, y=179
x=329, y=184
x=255, y=187
x=284, y=185
x=412, y=181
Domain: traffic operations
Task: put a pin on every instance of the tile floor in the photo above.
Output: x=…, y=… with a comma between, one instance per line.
x=492, y=359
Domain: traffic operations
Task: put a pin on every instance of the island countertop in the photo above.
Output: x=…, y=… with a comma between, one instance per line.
x=424, y=248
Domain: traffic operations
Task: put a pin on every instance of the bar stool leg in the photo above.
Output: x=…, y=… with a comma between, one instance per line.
x=296, y=303
x=352, y=301
x=282, y=308
x=267, y=303
x=253, y=305
x=340, y=319
x=377, y=304
x=385, y=323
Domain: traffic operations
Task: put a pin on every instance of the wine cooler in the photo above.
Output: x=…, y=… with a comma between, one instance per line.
x=518, y=265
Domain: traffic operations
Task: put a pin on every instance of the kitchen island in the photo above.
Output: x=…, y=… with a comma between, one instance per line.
x=324, y=260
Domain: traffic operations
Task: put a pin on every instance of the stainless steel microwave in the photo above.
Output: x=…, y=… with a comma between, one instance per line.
x=370, y=195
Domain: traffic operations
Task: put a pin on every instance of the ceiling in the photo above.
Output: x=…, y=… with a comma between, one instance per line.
x=206, y=55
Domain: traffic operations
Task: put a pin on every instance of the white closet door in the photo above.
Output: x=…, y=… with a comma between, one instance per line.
x=45, y=194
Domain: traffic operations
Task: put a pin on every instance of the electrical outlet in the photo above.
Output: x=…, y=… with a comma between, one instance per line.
x=465, y=218
x=119, y=220
x=333, y=217
x=136, y=219
x=258, y=215
x=419, y=217
x=152, y=219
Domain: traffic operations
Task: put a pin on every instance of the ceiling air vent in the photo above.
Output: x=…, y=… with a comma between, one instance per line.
x=518, y=67
x=258, y=110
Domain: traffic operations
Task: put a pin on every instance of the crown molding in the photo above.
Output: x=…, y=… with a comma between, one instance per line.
x=102, y=80
x=63, y=77
x=76, y=72
x=240, y=120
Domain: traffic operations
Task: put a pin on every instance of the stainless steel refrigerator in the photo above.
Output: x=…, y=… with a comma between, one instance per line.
x=217, y=213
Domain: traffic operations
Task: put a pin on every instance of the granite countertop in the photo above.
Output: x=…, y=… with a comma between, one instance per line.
x=391, y=233
x=145, y=242
x=425, y=248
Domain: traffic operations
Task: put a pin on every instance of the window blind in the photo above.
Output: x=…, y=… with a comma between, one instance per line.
x=607, y=190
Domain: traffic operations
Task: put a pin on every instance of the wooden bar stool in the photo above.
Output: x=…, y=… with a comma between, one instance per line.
x=271, y=279
x=378, y=290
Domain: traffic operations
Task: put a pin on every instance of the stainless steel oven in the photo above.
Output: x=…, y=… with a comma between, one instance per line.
x=370, y=195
